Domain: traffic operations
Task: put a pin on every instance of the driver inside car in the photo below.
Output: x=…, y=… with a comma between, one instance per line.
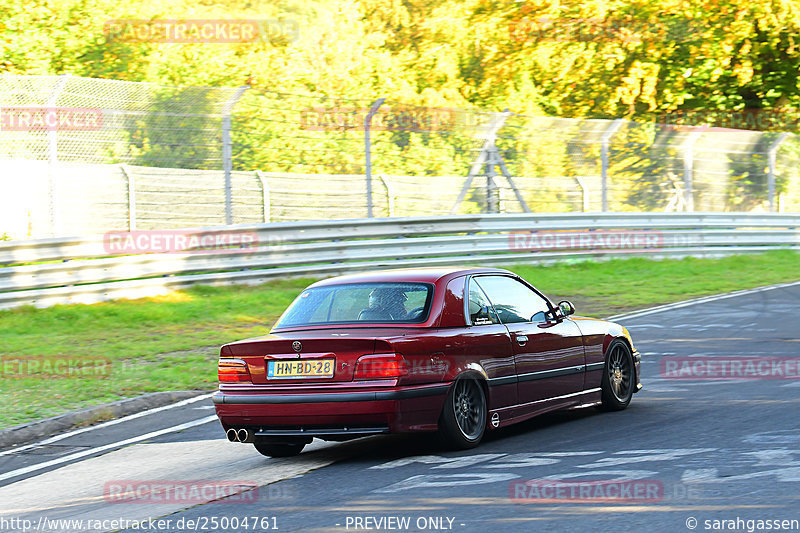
x=385, y=304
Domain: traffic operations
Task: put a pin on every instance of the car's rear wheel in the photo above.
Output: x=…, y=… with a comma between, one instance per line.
x=279, y=449
x=618, y=377
x=463, y=419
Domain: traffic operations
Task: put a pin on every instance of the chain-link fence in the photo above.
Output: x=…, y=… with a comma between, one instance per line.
x=82, y=156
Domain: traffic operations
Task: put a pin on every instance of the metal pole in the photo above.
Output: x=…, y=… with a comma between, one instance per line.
x=688, y=168
x=227, y=151
x=771, y=154
x=511, y=183
x=492, y=200
x=585, y=191
x=52, y=157
x=605, y=139
x=389, y=194
x=489, y=135
x=131, y=196
x=265, y=198
x=368, y=151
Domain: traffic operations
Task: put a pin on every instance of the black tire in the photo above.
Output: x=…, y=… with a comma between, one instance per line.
x=618, y=377
x=279, y=449
x=463, y=419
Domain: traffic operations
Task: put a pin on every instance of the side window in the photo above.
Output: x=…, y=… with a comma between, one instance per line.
x=481, y=311
x=514, y=301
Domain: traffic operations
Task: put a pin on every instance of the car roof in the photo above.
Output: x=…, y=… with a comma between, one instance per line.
x=419, y=275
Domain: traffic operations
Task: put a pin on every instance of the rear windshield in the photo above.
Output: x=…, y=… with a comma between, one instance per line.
x=353, y=303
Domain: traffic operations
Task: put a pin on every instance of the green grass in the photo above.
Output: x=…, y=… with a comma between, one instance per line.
x=172, y=342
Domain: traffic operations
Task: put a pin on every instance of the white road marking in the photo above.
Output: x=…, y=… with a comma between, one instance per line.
x=92, y=451
x=78, y=490
x=780, y=457
x=618, y=475
x=62, y=436
x=517, y=460
x=649, y=455
x=441, y=462
x=447, y=480
x=705, y=299
x=789, y=436
x=710, y=475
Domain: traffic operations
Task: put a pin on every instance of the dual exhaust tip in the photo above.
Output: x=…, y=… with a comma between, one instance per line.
x=240, y=435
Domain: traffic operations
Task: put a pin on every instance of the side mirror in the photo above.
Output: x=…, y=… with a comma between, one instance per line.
x=566, y=307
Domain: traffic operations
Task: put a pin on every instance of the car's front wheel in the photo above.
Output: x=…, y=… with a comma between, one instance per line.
x=618, y=377
x=279, y=449
x=463, y=419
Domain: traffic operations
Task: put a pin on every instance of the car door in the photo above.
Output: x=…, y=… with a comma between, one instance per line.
x=490, y=344
x=548, y=353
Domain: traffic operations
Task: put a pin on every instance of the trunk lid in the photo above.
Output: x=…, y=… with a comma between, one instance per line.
x=316, y=348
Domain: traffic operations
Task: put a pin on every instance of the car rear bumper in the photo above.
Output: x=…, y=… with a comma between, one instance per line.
x=397, y=409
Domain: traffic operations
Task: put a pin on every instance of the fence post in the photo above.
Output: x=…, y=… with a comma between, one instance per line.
x=131, y=180
x=368, y=151
x=605, y=139
x=492, y=192
x=389, y=194
x=265, y=196
x=584, y=191
x=52, y=156
x=688, y=168
x=227, y=151
x=489, y=157
x=771, y=154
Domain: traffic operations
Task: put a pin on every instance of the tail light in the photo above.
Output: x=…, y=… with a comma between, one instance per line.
x=233, y=370
x=381, y=366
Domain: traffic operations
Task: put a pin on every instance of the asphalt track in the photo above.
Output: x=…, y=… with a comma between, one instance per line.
x=716, y=454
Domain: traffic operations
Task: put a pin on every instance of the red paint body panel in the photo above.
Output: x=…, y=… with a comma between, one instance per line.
x=520, y=381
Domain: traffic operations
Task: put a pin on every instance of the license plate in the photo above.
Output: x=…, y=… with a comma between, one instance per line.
x=312, y=368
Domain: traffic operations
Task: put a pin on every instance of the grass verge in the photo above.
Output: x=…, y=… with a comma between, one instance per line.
x=172, y=342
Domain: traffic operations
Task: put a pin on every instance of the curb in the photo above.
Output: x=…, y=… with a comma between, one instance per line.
x=32, y=431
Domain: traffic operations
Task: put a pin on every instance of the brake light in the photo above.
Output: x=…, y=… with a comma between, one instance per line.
x=380, y=366
x=233, y=370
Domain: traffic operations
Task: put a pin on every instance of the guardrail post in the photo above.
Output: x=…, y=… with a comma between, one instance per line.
x=605, y=139
x=368, y=151
x=227, y=151
x=52, y=157
x=129, y=178
x=688, y=168
x=771, y=155
x=265, y=199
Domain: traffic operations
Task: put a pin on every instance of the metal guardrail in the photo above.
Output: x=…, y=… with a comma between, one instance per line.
x=83, y=270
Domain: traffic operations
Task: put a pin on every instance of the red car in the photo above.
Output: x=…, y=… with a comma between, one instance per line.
x=458, y=351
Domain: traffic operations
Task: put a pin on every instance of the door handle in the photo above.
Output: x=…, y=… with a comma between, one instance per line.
x=522, y=339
